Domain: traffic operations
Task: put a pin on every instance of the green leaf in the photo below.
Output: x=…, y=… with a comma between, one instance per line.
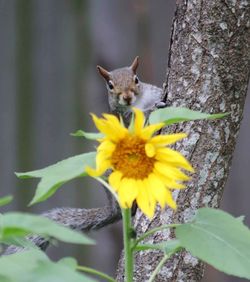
x=87, y=135
x=11, y=239
x=34, y=265
x=241, y=218
x=171, y=115
x=54, y=176
x=56, y=272
x=70, y=262
x=15, y=224
x=172, y=246
x=5, y=279
x=218, y=239
x=5, y=200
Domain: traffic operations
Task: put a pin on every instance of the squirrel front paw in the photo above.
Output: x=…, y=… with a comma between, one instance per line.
x=162, y=104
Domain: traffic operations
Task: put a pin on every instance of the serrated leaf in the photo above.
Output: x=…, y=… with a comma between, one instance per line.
x=171, y=115
x=87, y=135
x=34, y=265
x=5, y=200
x=219, y=239
x=54, y=176
x=15, y=224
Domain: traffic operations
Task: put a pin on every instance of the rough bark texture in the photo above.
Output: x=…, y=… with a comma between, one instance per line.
x=209, y=67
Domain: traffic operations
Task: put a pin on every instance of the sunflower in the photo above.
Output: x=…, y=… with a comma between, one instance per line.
x=144, y=169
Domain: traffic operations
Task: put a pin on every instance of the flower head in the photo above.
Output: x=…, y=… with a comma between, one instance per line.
x=144, y=169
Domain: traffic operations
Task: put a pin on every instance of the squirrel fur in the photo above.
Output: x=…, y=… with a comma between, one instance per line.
x=125, y=91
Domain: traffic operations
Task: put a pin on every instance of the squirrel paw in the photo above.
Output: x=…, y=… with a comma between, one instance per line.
x=161, y=105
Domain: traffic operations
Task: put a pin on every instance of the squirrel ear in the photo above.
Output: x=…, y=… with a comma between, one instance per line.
x=135, y=64
x=104, y=73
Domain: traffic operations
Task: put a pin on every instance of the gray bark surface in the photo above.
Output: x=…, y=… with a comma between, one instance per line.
x=208, y=70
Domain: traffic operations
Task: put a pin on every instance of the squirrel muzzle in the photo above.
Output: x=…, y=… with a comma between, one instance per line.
x=127, y=98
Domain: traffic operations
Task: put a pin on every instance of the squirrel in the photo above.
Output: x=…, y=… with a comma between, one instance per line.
x=125, y=91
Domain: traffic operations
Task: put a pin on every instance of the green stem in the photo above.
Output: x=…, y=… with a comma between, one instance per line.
x=158, y=268
x=152, y=231
x=104, y=183
x=128, y=250
x=95, y=272
x=146, y=247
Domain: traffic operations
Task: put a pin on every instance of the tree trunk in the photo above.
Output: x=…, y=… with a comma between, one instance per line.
x=208, y=70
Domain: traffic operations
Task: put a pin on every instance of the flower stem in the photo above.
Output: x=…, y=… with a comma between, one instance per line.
x=158, y=268
x=128, y=251
x=95, y=272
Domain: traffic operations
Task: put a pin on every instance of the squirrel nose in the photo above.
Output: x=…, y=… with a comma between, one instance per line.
x=127, y=100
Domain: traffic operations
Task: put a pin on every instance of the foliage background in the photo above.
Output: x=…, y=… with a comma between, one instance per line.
x=49, y=84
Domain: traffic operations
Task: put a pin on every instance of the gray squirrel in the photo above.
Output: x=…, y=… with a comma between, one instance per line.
x=125, y=91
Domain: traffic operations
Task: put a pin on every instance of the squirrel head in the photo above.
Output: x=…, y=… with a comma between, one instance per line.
x=123, y=84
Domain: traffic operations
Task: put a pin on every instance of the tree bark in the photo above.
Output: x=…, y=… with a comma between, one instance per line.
x=208, y=70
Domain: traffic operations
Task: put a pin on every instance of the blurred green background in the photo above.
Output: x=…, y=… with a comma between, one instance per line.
x=49, y=50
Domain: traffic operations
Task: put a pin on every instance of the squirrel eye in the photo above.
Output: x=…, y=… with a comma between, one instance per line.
x=110, y=85
x=136, y=80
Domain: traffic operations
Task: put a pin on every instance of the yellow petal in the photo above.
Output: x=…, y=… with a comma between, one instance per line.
x=149, y=130
x=144, y=200
x=115, y=180
x=99, y=170
x=170, y=172
x=113, y=133
x=101, y=158
x=127, y=192
x=167, y=139
x=158, y=190
x=168, y=182
x=106, y=146
x=150, y=150
x=139, y=120
x=113, y=122
x=170, y=201
x=162, y=195
x=175, y=158
x=176, y=186
x=112, y=119
x=102, y=164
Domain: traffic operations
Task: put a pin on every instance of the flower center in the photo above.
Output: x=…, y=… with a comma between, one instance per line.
x=130, y=158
